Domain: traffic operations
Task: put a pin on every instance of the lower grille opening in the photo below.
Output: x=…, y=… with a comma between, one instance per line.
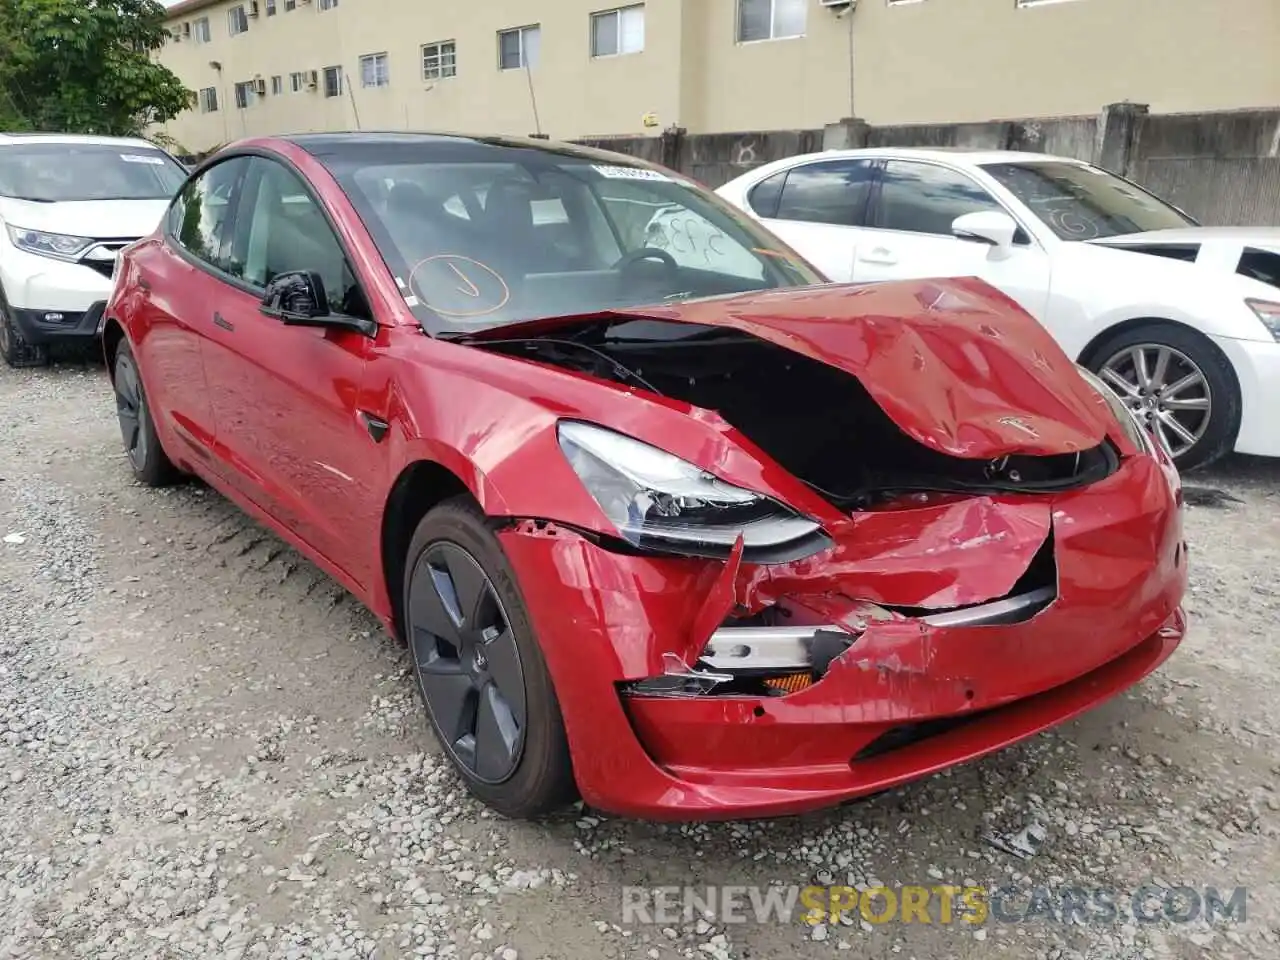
x=912, y=733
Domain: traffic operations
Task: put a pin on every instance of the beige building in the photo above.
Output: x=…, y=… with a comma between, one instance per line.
x=578, y=68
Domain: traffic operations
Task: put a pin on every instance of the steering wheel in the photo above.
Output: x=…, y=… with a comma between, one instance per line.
x=647, y=253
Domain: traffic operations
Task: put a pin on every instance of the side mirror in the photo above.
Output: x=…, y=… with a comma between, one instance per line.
x=298, y=298
x=991, y=227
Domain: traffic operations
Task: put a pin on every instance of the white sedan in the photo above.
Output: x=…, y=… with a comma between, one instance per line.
x=1183, y=321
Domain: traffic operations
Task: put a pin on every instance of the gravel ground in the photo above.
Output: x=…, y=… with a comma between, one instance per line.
x=208, y=749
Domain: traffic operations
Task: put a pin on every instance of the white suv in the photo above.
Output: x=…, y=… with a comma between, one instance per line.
x=68, y=205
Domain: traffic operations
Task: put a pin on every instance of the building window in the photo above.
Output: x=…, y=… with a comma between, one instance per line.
x=771, y=19
x=298, y=81
x=333, y=81
x=439, y=60
x=271, y=8
x=200, y=30
x=244, y=94
x=237, y=20
x=373, y=70
x=277, y=85
x=209, y=100
x=328, y=4
x=617, y=31
x=290, y=5
x=519, y=47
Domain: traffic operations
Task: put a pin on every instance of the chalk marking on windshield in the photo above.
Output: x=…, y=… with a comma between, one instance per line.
x=470, y=290
x=451, y=260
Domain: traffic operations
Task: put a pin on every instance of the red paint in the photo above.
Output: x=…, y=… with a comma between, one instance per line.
x=268, y=415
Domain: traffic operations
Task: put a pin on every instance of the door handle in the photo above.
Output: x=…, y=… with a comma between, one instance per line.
x=223, y=322
x=879, y=255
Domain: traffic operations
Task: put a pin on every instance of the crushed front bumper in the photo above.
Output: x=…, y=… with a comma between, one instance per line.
x=906, y=699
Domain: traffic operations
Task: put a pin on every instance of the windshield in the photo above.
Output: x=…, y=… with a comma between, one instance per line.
x=63, y=172
x=1080, y=202
x=480, y=235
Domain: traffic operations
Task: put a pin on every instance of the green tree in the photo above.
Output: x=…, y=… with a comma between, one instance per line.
x=85, y=66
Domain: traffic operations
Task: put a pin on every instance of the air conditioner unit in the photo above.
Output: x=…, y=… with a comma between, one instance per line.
x=260, y=87
x=253, y=8
x=313, y=79
x=838, y=4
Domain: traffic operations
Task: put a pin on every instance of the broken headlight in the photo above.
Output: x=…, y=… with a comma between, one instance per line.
x=1133, y=428
x=658, y=501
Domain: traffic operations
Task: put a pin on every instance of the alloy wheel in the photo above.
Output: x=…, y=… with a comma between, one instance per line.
x=467, y=662
x=131, y=411
x=1166, y=390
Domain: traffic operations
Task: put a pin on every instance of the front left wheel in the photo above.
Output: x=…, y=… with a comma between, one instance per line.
x=479, y=669
x=14, y=349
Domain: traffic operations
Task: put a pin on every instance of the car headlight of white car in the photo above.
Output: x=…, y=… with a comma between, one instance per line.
x=57, y=245
x=656, y=500
x=1133, y=428
x=1268, y=313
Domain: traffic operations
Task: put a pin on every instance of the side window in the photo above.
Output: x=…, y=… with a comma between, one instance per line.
x=199, y=214
x=832, y=192
x=925, y=198
x=764, y=196
x=280, y=228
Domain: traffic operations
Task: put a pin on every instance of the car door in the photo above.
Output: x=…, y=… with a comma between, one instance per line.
x=286, y=397
x=175, y=284
x=817, y=208
x=909, y=236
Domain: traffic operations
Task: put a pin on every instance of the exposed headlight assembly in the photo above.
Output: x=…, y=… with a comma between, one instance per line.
x=56, y=245
x=1133, y=428
x=659, y=502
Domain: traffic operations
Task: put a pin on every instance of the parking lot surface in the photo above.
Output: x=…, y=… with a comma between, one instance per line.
x=208, y=749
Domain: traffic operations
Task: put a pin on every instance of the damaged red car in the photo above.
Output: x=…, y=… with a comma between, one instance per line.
x=666, y=521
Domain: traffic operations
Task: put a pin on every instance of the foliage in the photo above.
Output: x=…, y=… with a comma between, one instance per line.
x=85, y=66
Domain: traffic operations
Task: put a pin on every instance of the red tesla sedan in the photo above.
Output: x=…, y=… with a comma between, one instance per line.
x=665, y=521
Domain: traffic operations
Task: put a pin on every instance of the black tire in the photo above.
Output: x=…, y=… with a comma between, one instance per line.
x=150, y=464
x=14, y=348
x=1219, y=434
x=540, y=779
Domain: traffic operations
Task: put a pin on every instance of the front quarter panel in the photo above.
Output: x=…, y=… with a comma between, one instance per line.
x=492, y=421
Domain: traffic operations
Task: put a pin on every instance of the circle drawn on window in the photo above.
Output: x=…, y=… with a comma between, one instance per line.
x=458, y=287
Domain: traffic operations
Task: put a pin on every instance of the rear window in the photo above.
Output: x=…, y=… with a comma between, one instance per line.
x=64, y=172
x=1261, y=265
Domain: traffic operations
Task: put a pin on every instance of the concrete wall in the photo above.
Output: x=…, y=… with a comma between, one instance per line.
x=1222, y=168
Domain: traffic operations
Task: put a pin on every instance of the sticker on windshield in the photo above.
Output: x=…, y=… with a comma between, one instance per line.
x=139, y=158
x=630, y=173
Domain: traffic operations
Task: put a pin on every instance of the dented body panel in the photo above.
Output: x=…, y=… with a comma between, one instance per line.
x=604, y=619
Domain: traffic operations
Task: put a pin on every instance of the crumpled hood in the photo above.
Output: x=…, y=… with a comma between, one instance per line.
x=956, y=364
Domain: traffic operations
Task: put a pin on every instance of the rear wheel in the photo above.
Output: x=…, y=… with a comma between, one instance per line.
x=13, y=346
x=482, y=678
x=150, y=465
x=1178, y=383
